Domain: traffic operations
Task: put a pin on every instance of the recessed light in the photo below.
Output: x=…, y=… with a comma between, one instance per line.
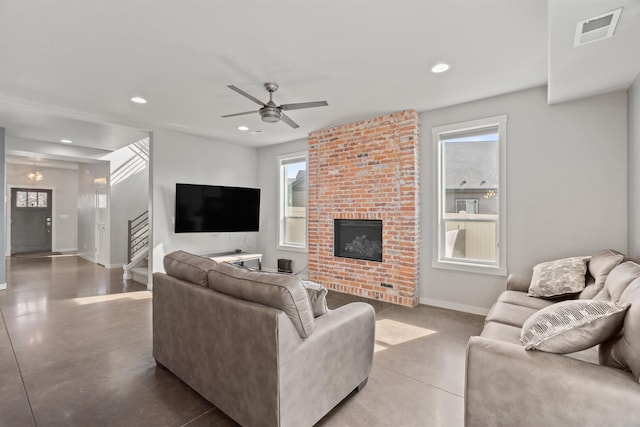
x=66, y=141
x=440, y=68
x=243, y=128
x=255, y=132
x=138, y=100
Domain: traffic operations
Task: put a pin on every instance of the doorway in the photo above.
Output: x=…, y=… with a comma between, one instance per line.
x=31, y=220
x=102, y=237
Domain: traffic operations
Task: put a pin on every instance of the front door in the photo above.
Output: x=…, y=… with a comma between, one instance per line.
x=31, y=220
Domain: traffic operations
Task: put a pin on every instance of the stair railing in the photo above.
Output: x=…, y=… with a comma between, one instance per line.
x=137, y=235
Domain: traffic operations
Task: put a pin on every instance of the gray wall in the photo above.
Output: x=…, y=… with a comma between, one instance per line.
x=64, y=183
x=567, y=187
x=181, y=158
x=634, y=169
x=3, y=279
x=268, y=181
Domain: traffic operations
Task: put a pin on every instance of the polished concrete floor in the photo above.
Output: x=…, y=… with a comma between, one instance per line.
x=75, y=350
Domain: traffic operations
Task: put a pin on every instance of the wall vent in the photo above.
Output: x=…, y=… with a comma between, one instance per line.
x=597, y=28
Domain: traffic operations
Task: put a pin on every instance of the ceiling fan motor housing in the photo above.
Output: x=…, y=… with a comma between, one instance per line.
x=270, y=114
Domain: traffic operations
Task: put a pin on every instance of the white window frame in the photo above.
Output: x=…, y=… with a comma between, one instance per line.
x=499, y=267
x=282, y=160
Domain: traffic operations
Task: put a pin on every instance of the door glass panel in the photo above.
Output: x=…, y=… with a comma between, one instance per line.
x=32, y=199
x=42, y=200
x=21, y=199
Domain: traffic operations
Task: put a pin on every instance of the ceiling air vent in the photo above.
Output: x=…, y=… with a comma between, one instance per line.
x=597, y=28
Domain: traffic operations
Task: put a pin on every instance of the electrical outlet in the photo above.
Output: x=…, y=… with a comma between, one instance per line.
x=386, y=285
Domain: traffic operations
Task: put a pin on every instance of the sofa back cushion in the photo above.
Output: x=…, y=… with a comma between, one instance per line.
x=617, y=281
x=189, y=267
x=278, y=290
x=623, y=351
x=600, y=265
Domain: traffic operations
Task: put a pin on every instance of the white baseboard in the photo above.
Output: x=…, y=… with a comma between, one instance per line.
x=65, y=250
x=3, y=286
x=116, y=265
x=87, y=258
x=455, y=306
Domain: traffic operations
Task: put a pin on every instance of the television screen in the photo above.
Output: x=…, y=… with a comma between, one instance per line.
x=214, y=208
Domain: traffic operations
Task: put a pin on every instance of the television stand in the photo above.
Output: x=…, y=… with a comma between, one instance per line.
x=236, y=258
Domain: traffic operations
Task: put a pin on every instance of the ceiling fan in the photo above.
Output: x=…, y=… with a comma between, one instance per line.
x=270, y=112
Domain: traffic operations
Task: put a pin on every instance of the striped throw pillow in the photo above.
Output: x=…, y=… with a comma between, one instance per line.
x=570, y=326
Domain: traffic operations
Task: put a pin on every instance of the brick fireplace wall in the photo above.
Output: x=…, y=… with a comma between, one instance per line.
x=367, y=170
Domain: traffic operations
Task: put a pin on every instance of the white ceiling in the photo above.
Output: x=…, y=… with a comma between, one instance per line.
x=70, y=67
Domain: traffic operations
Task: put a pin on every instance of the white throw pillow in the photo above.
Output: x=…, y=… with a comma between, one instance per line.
x=570, y=326
x=559, y=277
x=317, y=297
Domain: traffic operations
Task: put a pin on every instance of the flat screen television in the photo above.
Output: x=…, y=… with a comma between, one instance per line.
x=215, y=208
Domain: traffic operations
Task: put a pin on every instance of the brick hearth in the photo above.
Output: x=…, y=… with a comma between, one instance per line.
x=367, y=170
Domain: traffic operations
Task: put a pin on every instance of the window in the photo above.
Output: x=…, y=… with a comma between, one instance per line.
x=292, y=225
x=470, y=222
x=31, y=199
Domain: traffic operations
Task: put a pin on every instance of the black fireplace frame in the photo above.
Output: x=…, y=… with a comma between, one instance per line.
x=341, y=254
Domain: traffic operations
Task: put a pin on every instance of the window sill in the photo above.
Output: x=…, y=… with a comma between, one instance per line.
x=470, y=268
x=292, y=248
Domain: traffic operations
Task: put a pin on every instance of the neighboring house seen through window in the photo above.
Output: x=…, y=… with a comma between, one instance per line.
x=470, y=220
x=292, y=226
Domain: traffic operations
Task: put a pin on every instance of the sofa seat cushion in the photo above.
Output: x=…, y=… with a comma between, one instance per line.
x=278, y=290
x=189, y=267
x=501, y=332
x=524, y=300
x=509, y=314
x=511, y=334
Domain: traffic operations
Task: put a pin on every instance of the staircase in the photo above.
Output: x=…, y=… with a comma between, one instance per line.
x=137, y=249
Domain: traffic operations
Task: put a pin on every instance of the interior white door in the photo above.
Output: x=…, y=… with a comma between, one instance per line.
x=102, y=240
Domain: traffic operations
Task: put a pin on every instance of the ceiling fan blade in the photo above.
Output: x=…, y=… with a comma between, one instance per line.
x=301, y=105
x=246, y=95
x=240, y=114
x=288, y=121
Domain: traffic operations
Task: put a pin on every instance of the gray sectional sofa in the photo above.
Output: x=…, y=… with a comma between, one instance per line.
x=509, y=386
x=261, y=347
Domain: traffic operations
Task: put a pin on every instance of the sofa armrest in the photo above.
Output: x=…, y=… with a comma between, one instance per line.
x=509, y=386
x=518, y=282
x=326, y=366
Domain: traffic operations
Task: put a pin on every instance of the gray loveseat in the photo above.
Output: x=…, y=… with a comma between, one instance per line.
x=251, y=344
x=509, y=386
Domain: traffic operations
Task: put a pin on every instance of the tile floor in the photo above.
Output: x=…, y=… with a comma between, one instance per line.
x=75, y=350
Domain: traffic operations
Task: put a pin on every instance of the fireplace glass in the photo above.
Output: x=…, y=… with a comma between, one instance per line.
x=358, y=239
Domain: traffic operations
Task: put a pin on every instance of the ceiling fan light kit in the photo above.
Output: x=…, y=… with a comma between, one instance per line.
x=271, y=112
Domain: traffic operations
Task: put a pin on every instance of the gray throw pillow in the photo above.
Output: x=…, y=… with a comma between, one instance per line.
x=571, y=326
x=317, y=297
x=559, y=277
